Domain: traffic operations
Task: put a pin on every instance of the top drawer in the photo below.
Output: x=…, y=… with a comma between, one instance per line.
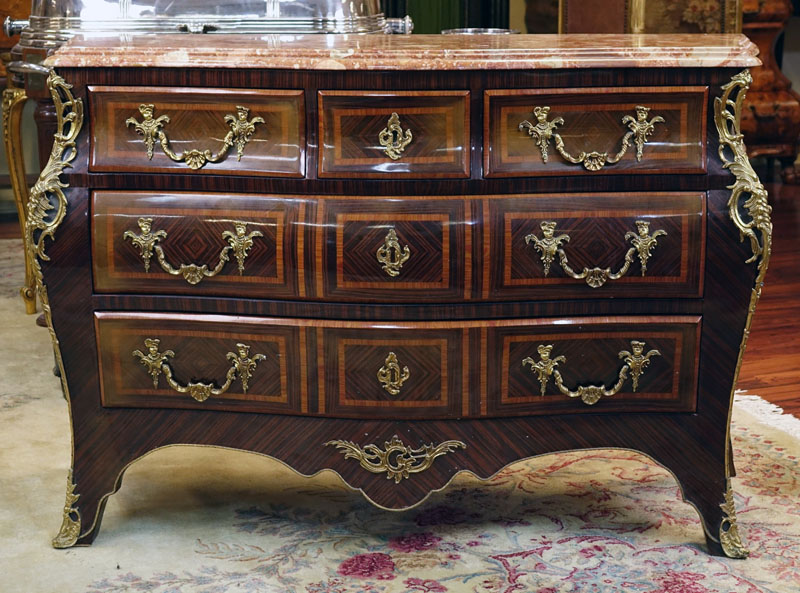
x=637, y=130
x=423, y=134
x=232, y=131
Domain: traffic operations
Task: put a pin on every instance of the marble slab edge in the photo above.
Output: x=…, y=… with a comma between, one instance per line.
x=413, y=52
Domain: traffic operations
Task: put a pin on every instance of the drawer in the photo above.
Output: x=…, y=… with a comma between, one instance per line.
x=189, y=130
x=420, y=134
x=200, y=361
x=616, y=364
x=634, y=130
x=198, y=244
x=595, y=245
x=392, y=370
x=396, y=250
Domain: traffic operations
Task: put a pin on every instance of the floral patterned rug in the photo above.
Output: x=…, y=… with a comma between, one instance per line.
x=198, y=520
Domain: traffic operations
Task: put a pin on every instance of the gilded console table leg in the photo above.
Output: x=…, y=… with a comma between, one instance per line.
x=14, y=100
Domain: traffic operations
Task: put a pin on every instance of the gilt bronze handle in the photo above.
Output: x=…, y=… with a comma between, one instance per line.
x=157, y=362
x=549, y=245
x=151, y=129
x=543, y=131
x=147, y=242
x=635, y=362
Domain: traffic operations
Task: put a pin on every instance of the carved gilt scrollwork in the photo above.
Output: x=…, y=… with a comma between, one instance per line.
x=391, y=255
x=157, y=362
x=147, y=242
x=394, y=139
x=396, y=460
x=636, y=361
x=543, y=131
x=151, y=130
x=549, y=245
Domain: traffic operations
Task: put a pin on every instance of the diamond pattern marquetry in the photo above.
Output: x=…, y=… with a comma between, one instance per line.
x=435, y=232
x=200, y=354
x=600, y=229
x=351, y=123
x=197, y=122
x=194, y=225
x=592, y=358
x=591, y=124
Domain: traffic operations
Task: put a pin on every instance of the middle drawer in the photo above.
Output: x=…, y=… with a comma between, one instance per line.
x=414, y=249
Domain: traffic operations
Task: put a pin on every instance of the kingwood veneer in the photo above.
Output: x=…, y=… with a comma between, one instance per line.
x=401, y=258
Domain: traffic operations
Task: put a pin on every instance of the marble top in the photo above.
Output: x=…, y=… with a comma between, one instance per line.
x=407, y=52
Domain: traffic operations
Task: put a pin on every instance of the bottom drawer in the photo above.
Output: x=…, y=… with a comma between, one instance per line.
x=399, y=370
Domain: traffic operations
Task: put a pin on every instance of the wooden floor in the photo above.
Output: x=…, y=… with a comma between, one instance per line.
x=771, y=365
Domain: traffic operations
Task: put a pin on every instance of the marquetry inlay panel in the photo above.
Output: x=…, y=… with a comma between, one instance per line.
x=601, y=229
x=193, y=225
x=443, y=369
x=197, y=122
x=591, y=348
x=351, y=125
x=594, y=120
x=200, y=348
x=351, y=232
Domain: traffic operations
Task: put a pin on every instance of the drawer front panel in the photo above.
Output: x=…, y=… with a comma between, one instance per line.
x=393, y=372
x=597, y=361
x=411, y=134
x=411, y=370
x=199, y=244
x=595, y=131
x=231, y=131
x=574, y=246
x=199, y=350
x=393, y=250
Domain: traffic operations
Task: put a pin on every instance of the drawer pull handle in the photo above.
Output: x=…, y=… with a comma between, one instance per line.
x=157, y=362
x=635, y=362
x=394, y=139
x=543, y=131
x=391, y=255
x=391, y=375
x=150, y=128
x=550, y=245
x=239, y=241
x=396, y=459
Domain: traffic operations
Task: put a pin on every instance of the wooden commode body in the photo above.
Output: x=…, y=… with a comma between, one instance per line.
x=400, y=258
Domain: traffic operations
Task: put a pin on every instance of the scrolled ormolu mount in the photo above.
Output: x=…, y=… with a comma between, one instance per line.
x=550, y=245
x=748, y=195
x=394, y=139
x=150, y=128
x=543, y=131
x=239, y=241
x=157, y=362
x=635, y=361
x=391, y=255
x=391, y=376
x=396, y=459
x=45, y=211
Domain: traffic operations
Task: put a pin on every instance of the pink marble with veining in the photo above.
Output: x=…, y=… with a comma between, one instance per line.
x=407, y=52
